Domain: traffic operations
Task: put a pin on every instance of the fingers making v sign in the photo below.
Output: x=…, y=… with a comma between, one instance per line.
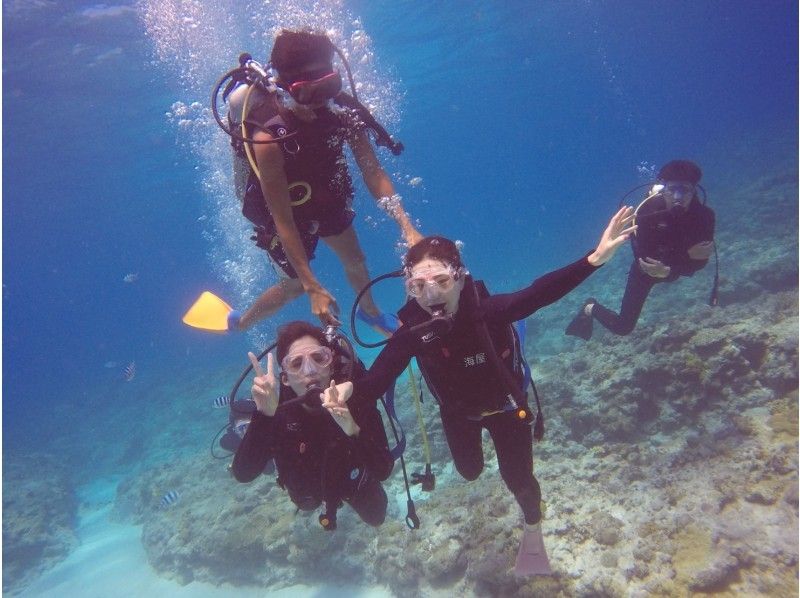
x=265, y=385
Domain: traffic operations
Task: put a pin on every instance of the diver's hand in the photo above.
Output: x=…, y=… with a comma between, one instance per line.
x=615, y=235
x=337, y=406
x=701, y=251
x=265, y=386
x=653, y=267
x=337, y=395
x=323, y=305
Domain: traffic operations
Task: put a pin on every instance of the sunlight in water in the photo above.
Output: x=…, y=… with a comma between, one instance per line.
x=196, y=43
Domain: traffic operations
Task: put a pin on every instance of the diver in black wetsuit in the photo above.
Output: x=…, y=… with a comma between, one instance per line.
x=675, y=238
x=320, y=457
x=300, y=190
x=459, y=370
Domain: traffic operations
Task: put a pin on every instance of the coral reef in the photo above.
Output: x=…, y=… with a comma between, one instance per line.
x=669, y=468
x=669, y=465
x=39, y=515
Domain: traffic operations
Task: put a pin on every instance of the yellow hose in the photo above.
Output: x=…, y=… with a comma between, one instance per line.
x=417, y=403
x=247, y=150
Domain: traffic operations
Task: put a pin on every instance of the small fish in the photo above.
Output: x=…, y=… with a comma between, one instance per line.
x=221, y=401
x=169, y=499
x=111, y=365
x=416, y=181
x=129, y=373
x=130, y=278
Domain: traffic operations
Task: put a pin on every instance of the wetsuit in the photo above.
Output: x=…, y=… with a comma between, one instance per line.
x=320, y=187
x=466, y=385
x=317, y=461
x=667, y=238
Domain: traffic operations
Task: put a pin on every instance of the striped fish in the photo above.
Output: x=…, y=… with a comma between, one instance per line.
x=169, y=499
x=129, y=373
x=221, y=401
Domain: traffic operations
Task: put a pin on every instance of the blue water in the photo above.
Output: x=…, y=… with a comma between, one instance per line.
x=525, y=120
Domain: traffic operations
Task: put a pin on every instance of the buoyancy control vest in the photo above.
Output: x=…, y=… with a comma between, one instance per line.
x=457, y=367
x=314, y=161
x=667, y=237
x=310, y=444
x=315, y=460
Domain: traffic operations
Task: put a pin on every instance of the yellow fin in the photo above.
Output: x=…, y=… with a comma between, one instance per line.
x=209, y=312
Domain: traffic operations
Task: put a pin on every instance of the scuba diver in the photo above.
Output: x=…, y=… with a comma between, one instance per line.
x=321, y=457
x=289, y=124
x=239, y=416
x=472, y=361
x=238, y=420
x=675, y=238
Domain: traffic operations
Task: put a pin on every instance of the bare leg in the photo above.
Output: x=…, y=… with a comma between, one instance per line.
x=346, y=247
x=270, y=301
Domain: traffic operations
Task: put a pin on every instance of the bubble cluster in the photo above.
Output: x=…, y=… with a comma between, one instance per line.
x=646, y=169
x=196, y=42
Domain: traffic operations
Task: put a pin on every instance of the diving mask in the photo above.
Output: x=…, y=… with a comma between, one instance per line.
x=315, y=87
x=431, y=280
x=310, y=360
x=678, y=194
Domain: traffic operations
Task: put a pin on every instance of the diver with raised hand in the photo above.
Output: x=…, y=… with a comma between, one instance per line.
x=674, y=238
x=472, y=361
x=288, y=132
x=322, y=458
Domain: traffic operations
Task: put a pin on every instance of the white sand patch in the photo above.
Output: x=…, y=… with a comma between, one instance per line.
x=111, y=561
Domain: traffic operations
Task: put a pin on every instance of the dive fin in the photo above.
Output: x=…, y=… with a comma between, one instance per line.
x=581, y=325
x=532, y=556
x=209, y=312
x=384, y=323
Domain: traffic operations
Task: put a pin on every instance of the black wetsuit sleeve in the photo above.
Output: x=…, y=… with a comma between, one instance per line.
x=389, y=364
x=256, y=448
x=370, y=445
x=547, y=289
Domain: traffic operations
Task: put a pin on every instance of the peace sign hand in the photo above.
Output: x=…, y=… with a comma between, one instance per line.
x=334, y=399
x=265, y=386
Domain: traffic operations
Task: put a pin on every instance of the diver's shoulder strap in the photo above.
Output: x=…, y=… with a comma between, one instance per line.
x=388, y=405
x=517, y=332
x=267, y=115
x=480, y=286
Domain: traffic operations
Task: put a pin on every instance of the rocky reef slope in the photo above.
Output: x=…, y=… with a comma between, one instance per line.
x=669, y=468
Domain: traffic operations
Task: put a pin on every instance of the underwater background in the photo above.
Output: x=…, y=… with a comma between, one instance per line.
x=669, y=467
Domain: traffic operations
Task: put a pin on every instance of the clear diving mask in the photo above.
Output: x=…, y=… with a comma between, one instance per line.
x=678, y=195
x=308, y=361
x=431, y=283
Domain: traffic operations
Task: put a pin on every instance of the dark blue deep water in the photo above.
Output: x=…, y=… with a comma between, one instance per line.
x=526, y=122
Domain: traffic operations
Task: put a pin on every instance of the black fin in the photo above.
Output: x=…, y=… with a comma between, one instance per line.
x=581, y=325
